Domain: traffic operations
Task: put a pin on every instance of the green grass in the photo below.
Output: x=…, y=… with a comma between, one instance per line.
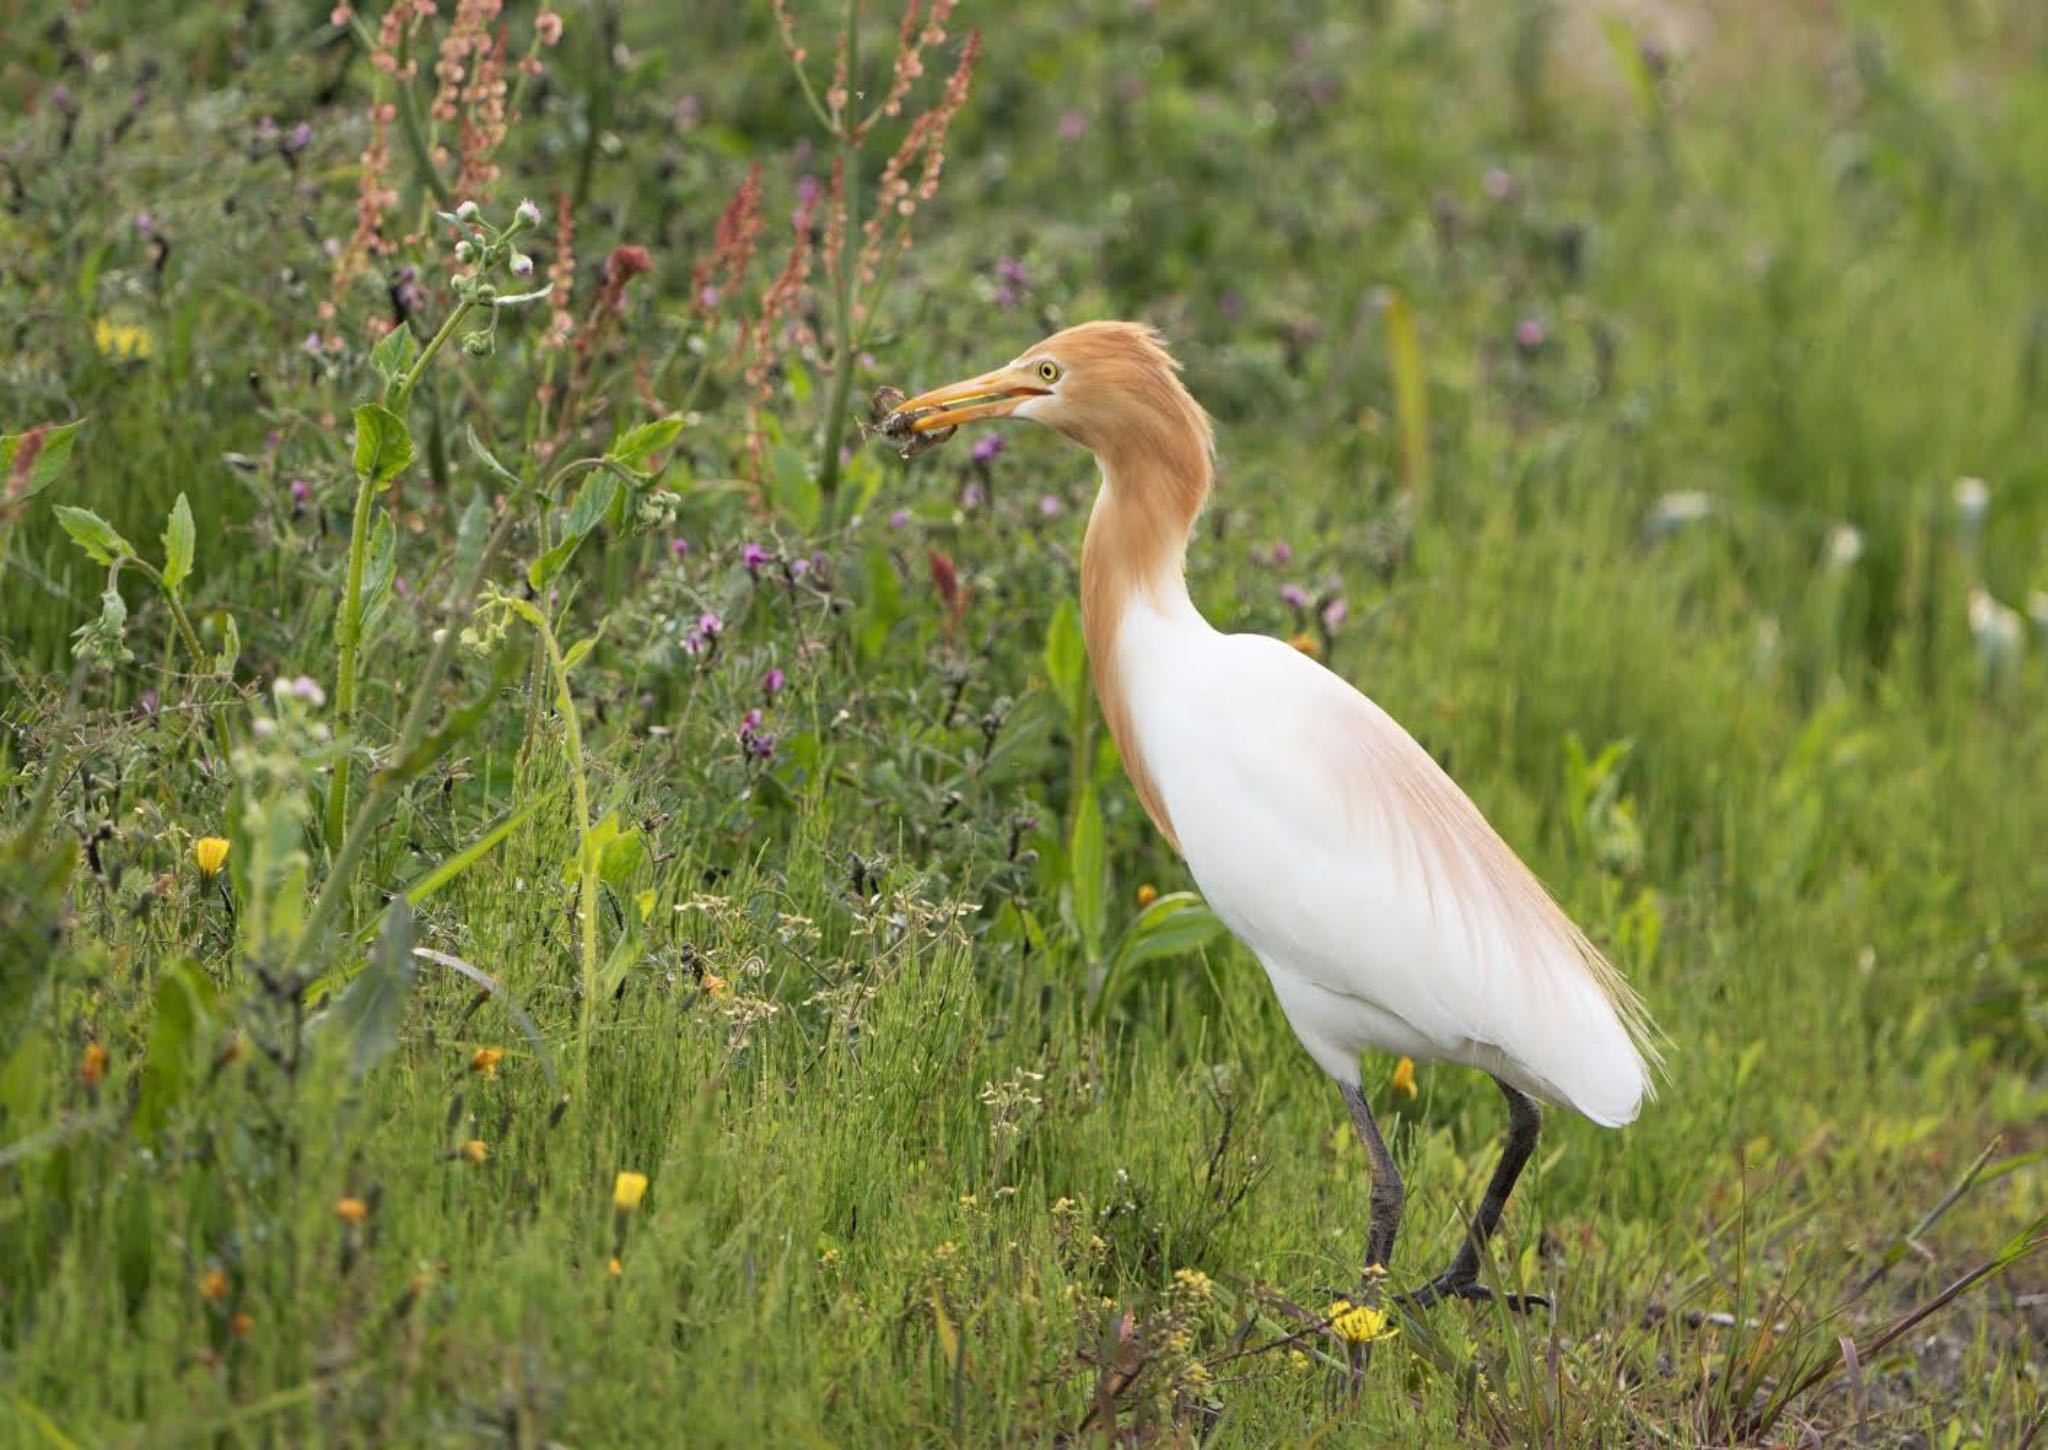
x=917, y=1175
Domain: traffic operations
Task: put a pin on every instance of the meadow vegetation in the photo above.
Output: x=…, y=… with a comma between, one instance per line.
x=552, y=892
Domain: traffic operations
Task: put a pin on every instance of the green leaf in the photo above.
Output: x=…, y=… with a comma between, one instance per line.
x=380, y=573
x=383, y=445
x=180, y=540
x=1066, y=659
x=1411, y=397
x=47, y=466
x=490, y=462
x=588, y=510
x=94, y=534
x=393, y=355
x=634, y=446
x=1086, y=872
x=620, y=860
x=370, y=1010
x=104, y=638
x=883, y=605
x=135, y=1245
x=797, y=494
x=1176, y=923
x=230, y=646
x=184, y=1002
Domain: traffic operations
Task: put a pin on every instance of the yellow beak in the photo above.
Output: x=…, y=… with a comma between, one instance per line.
x=992, y=395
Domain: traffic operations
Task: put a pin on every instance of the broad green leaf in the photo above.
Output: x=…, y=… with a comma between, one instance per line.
x=585, y=513
x=797, y=495
x=184, y=1001
x=180, y=540
x=472, y=531
x=383, y=445
x=393, y=355
x=634, y=446
x=48, y=464
x=621, y=859
x=369, y=1012
x=883, y=605
x=1066, y=658
x=1176, y=923
x=1087, y=873
x=94, y=534
x=575, y=653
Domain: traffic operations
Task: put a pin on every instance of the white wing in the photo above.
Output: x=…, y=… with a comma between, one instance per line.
x=1371, y=886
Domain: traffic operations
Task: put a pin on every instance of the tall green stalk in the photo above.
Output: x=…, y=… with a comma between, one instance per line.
x=848, y=354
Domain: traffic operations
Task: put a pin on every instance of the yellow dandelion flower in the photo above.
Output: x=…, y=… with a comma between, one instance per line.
x=627, y=1191
x=1358, y=1323
x=213, y=1285
x=120, y=341
x=474, y=1150
x=351, y=1209
x=484, y=1061
x=241, y=1324
x=715, y=985
x=1404, y=1076
x=1147, y=894
x=1306, y=643
x=209, y=854
x=92, y=1066
x=613, y=1267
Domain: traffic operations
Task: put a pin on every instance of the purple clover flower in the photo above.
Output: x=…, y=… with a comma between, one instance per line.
x=986, y=448
x=1294, y=596
x=900, y=519
x=1335, y=613
x=754, y=556
x=1529, y=334
x=772, y=682
x=710, y=625
x=1050, y=505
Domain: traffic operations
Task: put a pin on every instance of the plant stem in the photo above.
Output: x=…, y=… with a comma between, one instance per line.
x=348, y=639
x=586, y=864
x=384, y=788
x=348, y=635
x=849, y=190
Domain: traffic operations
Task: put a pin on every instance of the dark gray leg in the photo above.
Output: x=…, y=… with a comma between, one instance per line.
x=1461, y=1279
x=1388, y=1194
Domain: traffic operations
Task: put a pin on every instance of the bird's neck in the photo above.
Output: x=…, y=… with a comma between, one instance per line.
x=1135, y=557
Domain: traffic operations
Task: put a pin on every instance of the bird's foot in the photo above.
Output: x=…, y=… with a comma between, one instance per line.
x=1444, y=1286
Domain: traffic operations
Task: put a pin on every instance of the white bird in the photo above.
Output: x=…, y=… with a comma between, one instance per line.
x=1387, y=912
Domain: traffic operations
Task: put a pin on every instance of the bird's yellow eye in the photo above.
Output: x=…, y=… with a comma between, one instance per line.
x=1049, y=370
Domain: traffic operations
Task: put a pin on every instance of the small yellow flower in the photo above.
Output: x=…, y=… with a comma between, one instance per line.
x=213, y=1286
x=1147, y=894
x=120, y=340
x=627, y=1191
x=1306, y=643
x=241, y=1324
x=474, y=1150
x=715, y=985
x=351, y=1209
x=1358, y=1323
x=1404, y=1076
x=484, y=1061
x=614, y=1267
x=1196, y=1283
x=92, y=1066
x=209, y=853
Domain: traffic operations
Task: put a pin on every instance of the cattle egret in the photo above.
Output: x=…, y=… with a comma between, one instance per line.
x=1386, y=910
